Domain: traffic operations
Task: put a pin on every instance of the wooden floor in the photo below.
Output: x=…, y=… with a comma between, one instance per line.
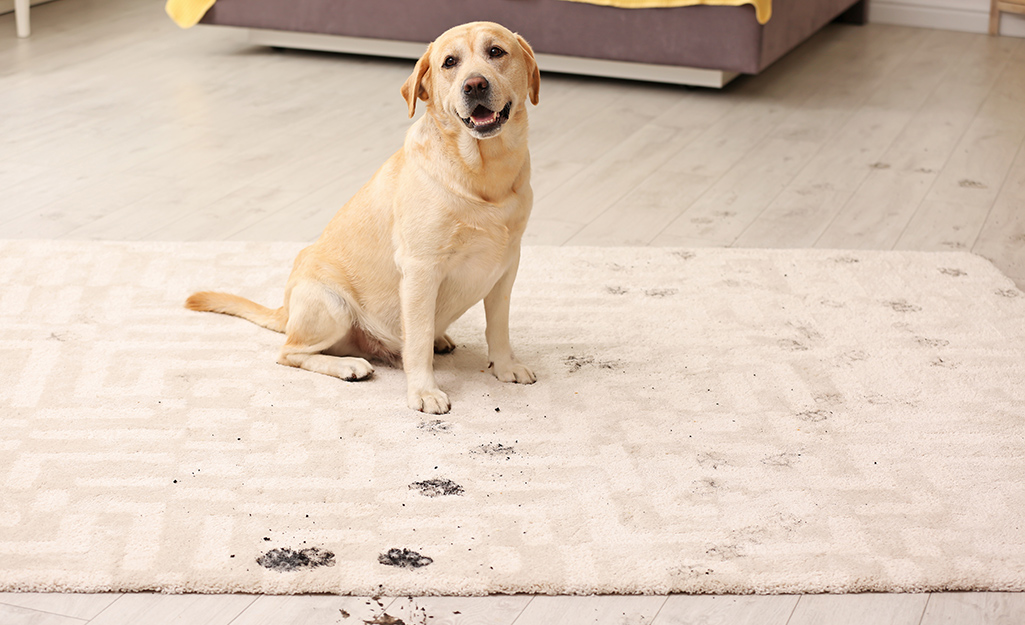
x=116, y=125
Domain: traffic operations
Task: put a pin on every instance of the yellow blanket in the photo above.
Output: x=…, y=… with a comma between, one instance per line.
x=763, y=8
x=186, y=13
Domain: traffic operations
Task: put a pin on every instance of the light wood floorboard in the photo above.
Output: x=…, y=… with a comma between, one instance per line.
x=723, y=211
x=962, y=195
x=314, y=610
x=13, y=615
x=727, y=610
x=857, y=609
x=115, y=124
x=956, y=607
x=1002, y=239
x=799, y=215
x=81, y=606
x=158, y=609
x=599, y=610
x=880, y=209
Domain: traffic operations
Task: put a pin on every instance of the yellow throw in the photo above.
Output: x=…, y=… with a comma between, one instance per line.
x=763, y=8
x=187, y=13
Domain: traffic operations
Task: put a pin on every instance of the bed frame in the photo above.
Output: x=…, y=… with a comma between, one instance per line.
x=703, y=46
x=547, y=62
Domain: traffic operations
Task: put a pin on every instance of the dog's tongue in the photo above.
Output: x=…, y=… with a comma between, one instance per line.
x=482, y=115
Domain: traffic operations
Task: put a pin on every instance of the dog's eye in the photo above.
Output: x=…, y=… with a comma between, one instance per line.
x=496, y=52
x=450, y=62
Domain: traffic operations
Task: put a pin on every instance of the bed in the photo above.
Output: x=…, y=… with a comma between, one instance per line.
x=694, y=45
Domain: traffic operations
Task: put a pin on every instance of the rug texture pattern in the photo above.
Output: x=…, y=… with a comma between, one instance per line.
x=703, y=421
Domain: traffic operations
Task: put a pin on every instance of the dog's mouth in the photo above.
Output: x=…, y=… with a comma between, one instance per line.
x=485, y=121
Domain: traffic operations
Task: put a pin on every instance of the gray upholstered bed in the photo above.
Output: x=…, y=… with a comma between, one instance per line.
x=701, y=45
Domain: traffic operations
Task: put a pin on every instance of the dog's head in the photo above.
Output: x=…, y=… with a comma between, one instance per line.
x=478, y=74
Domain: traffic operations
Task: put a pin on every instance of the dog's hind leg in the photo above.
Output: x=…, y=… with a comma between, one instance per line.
x=318, y=320
x=443, y=344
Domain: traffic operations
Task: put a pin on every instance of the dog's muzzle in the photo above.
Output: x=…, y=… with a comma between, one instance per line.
x=483, y=120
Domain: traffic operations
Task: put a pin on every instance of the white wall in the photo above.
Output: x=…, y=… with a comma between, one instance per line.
x=967, y=15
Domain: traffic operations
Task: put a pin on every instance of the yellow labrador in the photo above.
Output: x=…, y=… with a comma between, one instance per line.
x=436, y=230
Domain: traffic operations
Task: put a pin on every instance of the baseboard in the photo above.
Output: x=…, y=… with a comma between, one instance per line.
x=548, y=62
x=970, y=21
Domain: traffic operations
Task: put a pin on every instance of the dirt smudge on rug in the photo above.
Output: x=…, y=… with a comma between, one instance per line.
x=494, y=449
x=404, y=558
x=437, y=487
x=436, y=426
x=576, y=363
x=285, y=560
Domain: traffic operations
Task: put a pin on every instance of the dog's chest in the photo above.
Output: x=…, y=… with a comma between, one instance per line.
x=479, y=229
x=468, y=282
x=482, y=247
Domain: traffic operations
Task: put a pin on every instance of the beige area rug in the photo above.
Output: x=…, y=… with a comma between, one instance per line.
x=742, y=421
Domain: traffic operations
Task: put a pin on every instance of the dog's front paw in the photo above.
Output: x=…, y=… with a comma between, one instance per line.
x=432, y=401
x=513, y=371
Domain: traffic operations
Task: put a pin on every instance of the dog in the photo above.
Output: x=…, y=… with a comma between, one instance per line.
x=435, y=230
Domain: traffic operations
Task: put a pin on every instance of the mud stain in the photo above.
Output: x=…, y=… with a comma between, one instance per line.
x=494, y=449
x=853, y=356
x=404, y=559
x=806, y=331
x=814, y=416
x=417, y=615
x=576, y=363
x=711, y=460
x=707, y=486
x=661, y=293
x=902, y=306
x=692, y=571
x=286, y=560
x=724, y=552
x=785, y=459
x=791, y=345
x=437, y=487
x=829, y=399
x=436, y=426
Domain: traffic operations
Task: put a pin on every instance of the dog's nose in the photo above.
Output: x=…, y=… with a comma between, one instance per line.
x=475, y=86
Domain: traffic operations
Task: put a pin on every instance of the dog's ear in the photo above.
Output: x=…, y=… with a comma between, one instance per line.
x=534, y=73
x=418, y=83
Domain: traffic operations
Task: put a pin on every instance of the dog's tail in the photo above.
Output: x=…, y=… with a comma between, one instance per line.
x=228, y=304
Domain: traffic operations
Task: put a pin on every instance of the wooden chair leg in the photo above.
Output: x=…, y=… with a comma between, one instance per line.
x=21, y=8
x=994, y=18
